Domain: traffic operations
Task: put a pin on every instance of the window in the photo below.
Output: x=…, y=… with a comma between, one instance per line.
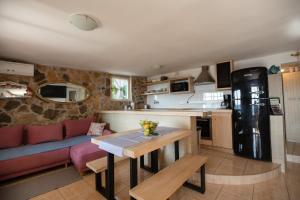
x=120, y=88
x=213, y=96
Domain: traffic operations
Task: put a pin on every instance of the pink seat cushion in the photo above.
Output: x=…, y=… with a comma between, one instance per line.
x=25, y=164
x=77, y=127
x=11, y=136
x=83, y=153
x=45, y=133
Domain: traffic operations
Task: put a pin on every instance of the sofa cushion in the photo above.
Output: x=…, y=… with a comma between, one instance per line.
x=26, y=164
x=82, y=153
x=45, y=133
x=77, y=127
x=30, y=149
x=11, y=136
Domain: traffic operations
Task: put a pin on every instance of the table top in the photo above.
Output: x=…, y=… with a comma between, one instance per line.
x=135, y=149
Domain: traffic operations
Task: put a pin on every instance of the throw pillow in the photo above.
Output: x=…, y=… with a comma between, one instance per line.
x=96, y=128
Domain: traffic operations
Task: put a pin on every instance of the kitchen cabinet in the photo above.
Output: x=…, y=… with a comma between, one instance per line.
x=224, y=70
x=222, y=129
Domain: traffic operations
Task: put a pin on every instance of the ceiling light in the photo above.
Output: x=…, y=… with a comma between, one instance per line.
x=83, y=22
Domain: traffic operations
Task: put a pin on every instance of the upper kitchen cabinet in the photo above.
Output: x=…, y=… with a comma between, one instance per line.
x=224, y=70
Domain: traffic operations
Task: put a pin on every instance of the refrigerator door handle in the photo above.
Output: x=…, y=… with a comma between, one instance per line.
x=257, y=104
x=257, y=92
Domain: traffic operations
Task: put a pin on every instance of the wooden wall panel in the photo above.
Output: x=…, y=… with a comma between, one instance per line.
x=291, y=85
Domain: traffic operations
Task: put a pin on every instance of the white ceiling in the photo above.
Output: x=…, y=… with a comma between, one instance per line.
x=137, y=34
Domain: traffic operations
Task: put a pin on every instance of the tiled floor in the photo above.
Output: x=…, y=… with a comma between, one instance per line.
x=224, y=163
x=293, y=148
x=285, y=187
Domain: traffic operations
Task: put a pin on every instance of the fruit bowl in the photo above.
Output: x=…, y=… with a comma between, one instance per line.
x=148, y=127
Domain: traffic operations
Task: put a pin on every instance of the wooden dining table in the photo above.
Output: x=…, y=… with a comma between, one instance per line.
x=134, y=144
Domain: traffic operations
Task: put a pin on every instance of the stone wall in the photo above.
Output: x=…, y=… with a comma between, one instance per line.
x=36, y=111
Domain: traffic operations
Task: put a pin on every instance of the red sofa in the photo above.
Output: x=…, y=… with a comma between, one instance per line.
x=27, y=149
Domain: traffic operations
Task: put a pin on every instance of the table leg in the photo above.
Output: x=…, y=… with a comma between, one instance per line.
x=176, y=147
x=154, y=161
x=110, y=182
x=133, y=174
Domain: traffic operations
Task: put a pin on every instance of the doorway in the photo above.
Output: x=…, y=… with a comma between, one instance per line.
x=291, y=89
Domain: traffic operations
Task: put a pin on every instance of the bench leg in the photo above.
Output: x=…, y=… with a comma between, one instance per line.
x=202, y=178
x=154, y=162
x=202, y=181
x=98, y=181
x=133, y=174
x=176, y=148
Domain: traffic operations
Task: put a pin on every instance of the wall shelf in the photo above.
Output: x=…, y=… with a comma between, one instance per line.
x=157, y=82
x=169, y=82
x=155, y=93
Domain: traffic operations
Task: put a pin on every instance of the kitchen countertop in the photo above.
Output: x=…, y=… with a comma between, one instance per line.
x=161, y=111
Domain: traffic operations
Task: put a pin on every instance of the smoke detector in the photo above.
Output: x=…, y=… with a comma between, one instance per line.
x=83, y=22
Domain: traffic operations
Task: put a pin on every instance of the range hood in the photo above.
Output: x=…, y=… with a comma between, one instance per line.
x=204, y=78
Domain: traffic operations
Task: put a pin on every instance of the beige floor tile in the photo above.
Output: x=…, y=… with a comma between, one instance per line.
x=236, y=192
x=293, y=172
x=229, y=170
x=237, y=160
x=274, y=189
x=293, y=187
x=119, y=184
x=292, y=179
x=281, y=188
x=179, y=194
x=232, y=166
x=123, y=194
x=76, y=189
x=255, y=167
x=212, y=164
x=53, y=195
x=212, y=153
x=89, y=196
x=211, y=193
x=90, y=179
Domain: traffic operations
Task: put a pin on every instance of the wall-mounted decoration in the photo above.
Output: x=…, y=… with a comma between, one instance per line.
x=9, y=89
x=62, y=92
x=274, y=69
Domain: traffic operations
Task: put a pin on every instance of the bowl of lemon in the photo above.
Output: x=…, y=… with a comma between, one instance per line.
x=149, y=127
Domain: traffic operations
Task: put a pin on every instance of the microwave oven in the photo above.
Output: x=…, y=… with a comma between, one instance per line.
x=179, y=86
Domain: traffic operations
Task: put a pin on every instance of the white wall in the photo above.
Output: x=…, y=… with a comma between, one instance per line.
x=180, y=100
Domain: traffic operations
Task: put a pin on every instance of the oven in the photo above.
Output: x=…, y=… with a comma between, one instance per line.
x=204, y=127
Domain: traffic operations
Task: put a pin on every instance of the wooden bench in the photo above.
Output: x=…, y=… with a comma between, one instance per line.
x=98, y=166
x=163, y=184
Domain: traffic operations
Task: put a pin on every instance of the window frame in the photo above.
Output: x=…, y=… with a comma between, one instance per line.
x=128, y=78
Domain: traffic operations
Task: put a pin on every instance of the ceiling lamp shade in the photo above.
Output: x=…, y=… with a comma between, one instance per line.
x=83, y=22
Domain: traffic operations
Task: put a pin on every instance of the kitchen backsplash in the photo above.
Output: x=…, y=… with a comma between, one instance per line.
x=205, y=96
x=200, y=100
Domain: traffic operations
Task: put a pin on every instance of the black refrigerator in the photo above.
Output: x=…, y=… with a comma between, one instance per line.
x=251, y=114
